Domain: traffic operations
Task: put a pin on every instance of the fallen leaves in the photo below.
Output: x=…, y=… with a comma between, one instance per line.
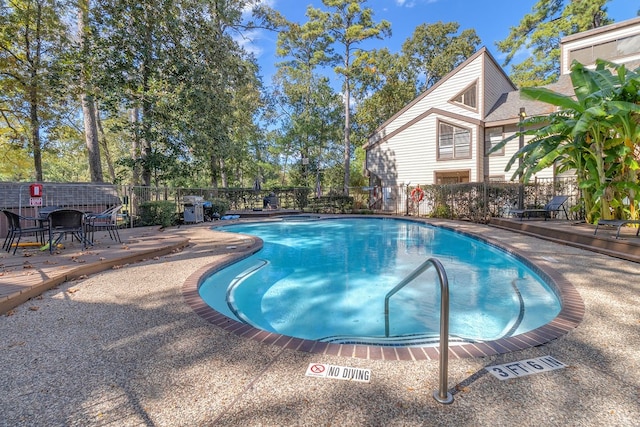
x=34, y=308
x=463, y=389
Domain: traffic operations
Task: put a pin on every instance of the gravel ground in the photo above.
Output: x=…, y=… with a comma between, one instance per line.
x=122, y=348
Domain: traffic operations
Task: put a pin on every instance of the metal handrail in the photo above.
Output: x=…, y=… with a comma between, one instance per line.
x=442, y=395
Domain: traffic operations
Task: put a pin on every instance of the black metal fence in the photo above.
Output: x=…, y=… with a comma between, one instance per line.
x=478, y=202
x=472, y=201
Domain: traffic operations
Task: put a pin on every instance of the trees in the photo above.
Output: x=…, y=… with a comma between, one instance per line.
x=33, y=42
x=540, y=32
x=309, y=106
x=89, y=110
x=597, y=135
x=348, y=25
x=176, y=72
x=434, y=50
x=388, y=81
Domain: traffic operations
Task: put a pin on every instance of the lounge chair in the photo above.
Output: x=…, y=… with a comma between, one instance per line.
x=617, y=223
x=555, y=205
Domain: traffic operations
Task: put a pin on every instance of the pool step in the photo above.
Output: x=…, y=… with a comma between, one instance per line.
x=395, y=341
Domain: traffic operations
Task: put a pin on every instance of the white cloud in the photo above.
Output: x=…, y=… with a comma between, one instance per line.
x=247, y=40
x=250, y=40
x=248, y=7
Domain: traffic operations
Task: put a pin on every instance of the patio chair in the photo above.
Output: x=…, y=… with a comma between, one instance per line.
x=619, y=223
x=107, y=221
x=16, y=230
x=556, y=204
x=67, y=221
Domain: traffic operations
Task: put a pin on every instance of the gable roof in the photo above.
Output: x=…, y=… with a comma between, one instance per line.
x=482, y=51
x=507, y=108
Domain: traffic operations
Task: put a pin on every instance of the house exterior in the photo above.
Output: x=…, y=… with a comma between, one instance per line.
x=444, y=134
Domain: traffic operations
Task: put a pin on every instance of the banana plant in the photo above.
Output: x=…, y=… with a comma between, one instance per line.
x=595, y=132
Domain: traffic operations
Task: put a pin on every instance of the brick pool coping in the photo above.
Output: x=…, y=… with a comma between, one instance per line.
x=570, y=316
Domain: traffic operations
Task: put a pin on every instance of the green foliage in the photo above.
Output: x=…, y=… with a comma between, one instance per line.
x=301, y=197
x=434, y=50
x=333, y=203
x=35, y=80
x=347, y=25
x=441, y=211
x=161, y=213
x=595, y=133
x=220, y=206
x=540, y=32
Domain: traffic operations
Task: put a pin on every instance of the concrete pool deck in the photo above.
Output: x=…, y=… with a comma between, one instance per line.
x=123, y=347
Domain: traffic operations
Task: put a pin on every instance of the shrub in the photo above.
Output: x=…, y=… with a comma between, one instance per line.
x=301, y=197
x=219, y=206
x=160, y=212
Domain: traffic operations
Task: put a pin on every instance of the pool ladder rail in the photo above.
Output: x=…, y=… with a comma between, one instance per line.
x=441, y=395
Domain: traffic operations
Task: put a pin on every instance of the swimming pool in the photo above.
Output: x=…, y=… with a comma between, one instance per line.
x=326, y=280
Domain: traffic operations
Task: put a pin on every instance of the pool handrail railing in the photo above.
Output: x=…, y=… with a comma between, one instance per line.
x=441, y=395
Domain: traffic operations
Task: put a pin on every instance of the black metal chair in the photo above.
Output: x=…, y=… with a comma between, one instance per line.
x=106, y=221
x=67, y=221
x=16, y=230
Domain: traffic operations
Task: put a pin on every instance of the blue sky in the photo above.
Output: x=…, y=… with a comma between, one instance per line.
x=490, y=18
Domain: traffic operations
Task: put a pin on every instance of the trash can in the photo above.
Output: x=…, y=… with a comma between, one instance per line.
x=193, y=211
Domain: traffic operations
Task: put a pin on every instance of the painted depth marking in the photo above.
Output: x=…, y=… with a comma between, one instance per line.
x=525, y=367
x=320, y=370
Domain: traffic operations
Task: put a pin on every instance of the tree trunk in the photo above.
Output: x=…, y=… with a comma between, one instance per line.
x=146, y=68
x=35, y=134
x=214, y=172
x=34, y=99
x=105, y=147
x=347, y=136
x=88, y=104
x=135, y=174
x=223, y=175
x=91, y=138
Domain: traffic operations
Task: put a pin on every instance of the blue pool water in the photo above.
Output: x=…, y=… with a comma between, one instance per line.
x=327, y=280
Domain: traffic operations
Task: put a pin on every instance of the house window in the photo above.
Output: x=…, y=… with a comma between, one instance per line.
x=452, y=177
x=612, y=50
x=468, y=97
x=453, y=142
x=492, y=136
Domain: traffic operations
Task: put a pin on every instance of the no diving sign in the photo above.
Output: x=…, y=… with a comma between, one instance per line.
x=320, y=370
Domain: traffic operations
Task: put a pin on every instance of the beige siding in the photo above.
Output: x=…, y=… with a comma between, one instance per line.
x=411, y=156
x=439, y=98
x=498, y=163
x=495, y=84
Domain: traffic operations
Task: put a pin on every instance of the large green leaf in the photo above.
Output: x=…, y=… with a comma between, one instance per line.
x=550, y=97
